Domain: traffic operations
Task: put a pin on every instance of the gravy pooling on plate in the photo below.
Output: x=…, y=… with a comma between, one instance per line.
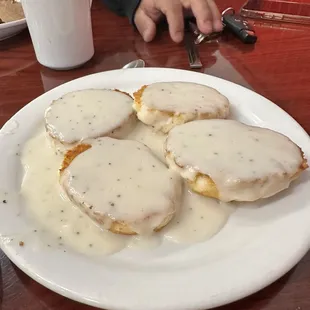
x=197, y=218
x=230, y=161
x=124, y=185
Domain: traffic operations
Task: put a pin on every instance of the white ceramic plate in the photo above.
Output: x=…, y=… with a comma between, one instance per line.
x=10, y=29
x=256, y=246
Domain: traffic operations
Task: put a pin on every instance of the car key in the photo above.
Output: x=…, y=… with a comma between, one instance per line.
x=239, y=26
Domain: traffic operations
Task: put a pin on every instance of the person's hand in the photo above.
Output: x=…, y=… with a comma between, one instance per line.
x=150, y=12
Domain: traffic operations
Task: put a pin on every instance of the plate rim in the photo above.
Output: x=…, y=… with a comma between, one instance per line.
x=294, y=259
x=13, y=23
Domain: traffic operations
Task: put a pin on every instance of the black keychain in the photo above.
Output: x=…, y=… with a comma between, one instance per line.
x=239, y=26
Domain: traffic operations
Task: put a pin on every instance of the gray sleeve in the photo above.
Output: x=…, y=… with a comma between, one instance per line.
x=123, y=7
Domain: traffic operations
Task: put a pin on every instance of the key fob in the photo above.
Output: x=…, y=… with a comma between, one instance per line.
x=240, y=27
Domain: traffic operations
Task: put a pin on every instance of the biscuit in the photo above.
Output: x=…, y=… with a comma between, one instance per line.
x=231, y=161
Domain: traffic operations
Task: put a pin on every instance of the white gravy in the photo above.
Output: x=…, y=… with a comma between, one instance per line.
x=121, y=180
x=52, y=208
x=198, y=218
x=184, y=97
x=87, y=114
x=246, y=163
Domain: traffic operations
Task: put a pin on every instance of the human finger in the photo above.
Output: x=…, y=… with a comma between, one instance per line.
x=145, y=25
x=173, y=11
x=216, y=16
x=202, y=12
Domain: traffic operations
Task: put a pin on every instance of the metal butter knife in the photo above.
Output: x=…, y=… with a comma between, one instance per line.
x=192, y=50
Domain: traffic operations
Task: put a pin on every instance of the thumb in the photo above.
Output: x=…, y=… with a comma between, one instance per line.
x=145, y=25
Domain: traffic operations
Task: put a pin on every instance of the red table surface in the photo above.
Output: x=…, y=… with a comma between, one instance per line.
x=277, y=67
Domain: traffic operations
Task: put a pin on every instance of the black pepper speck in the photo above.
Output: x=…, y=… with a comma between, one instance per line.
x=4, y=201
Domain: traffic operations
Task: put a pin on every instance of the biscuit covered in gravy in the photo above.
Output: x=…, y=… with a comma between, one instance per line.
x=231, y=161
x=121, y=185
x=89, y=113
x=167, y=104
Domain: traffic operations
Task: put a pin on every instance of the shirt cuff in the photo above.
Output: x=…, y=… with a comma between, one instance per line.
x=130, y=7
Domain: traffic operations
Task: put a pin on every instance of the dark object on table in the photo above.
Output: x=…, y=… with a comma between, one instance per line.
x=278, y=10
x=239, y=26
